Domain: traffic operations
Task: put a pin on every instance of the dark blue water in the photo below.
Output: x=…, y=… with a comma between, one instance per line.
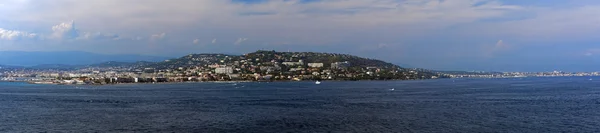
x=463, y=105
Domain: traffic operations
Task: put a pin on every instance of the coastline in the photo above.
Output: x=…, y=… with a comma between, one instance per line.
x=240, y=81
x=247, y=81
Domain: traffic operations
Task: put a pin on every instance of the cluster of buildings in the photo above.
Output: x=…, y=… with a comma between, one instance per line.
x=521, y=74
x=216, y=67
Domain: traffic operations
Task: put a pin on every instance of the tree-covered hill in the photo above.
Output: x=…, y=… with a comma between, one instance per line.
x=314, y=57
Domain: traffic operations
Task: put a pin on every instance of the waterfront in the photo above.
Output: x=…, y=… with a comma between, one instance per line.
x=558, y=104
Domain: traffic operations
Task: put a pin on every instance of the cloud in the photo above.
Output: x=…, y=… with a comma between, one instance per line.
x=497, y=48
x=15, y=35
x=65, y=31
x=315, y=22
x=378, y=47
x=157, y=36
x=240, y=41
x=444, y=27
x=382, y=45
x=196, y=41
x=500, y=45
x=591, y=52
x=99, y=36
x=68, y=31
x=138, y=38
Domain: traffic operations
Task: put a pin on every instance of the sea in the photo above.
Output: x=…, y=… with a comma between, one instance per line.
x=553, y=104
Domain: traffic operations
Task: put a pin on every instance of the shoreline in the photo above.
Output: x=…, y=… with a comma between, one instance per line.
x=241, y=81
x=246, y=81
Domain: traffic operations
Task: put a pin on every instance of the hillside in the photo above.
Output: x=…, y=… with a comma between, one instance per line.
x=209, y=59
x=258, y=57
x=269, y=56
x=192, y=60
x=286, y=64
x=313, y=57
x=272, y=65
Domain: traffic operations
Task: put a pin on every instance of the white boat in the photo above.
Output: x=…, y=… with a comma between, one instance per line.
x=317, y=82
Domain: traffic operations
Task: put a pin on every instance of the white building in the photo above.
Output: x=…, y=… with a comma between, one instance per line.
x=315, y=65
x=293, y=63
x=224, y=70
x=296, y=69
x=340, y=65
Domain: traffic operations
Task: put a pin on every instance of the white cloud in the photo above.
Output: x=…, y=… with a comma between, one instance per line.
x=325, y=22
x=591, y=52
x=125, y=14
x=196, y=41
x=15, y=35
x=382, y=45
x=68, y=31
x=99, y=36
x=500, y=44
x=138, y=38
x=377, y=47
x=311, y=22
x=497, y=48
x=240, y=41
x=158, y=36
x=65, y=31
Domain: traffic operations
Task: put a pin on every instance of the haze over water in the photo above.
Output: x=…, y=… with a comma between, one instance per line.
x=565, y=104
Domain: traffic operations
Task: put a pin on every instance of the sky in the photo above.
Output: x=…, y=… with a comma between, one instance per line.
x=482, y=35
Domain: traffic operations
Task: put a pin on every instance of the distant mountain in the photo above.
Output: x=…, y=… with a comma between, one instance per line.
x=55, y=66
x=8, y=66
x=121, y=64
x=21, y=58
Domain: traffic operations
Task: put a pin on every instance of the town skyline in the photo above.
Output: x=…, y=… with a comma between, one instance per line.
x=259, y=66
x=256, y=66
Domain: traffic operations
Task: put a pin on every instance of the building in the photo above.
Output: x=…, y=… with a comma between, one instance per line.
x=224, y=70
x=266, y=68
x=340, y=65
x=296, y=69
x=214, y=66
x=293, y=63
x=371, y=68
x=315, y=65
x=235, y=76
x=149, y=70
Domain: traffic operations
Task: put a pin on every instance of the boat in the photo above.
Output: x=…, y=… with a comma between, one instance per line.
x=318, y=82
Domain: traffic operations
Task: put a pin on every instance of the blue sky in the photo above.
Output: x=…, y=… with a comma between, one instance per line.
x=499, y=35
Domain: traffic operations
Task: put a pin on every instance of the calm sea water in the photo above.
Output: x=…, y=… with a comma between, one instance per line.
x=447, y=105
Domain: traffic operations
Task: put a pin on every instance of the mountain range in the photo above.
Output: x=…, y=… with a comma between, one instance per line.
x=38, y=58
